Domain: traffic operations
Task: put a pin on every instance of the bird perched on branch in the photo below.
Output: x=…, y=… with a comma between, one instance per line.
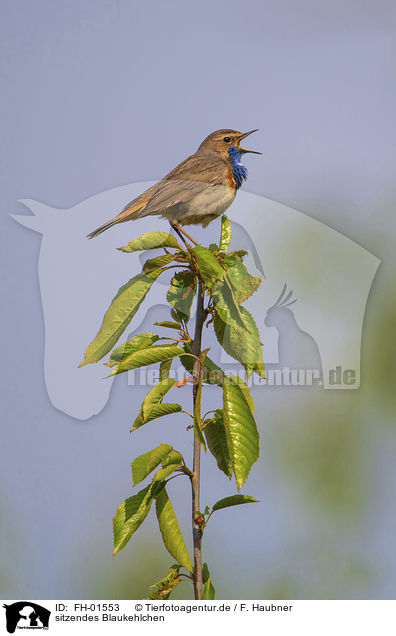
x=198, y=190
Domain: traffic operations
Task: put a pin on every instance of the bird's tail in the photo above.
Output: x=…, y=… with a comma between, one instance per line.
x=134, y=210
x=103, y=228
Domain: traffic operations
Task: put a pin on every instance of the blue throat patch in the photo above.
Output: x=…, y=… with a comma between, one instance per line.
x=239, y=172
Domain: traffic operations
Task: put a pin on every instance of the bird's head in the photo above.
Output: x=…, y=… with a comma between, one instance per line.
x=221, y=141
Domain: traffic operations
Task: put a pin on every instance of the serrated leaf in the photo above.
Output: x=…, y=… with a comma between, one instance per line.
x=226, y=232
x=245, y=346
x=162, y=590
x=152, y=406
x=163, y=473
x=217, y=440
x=226, y=305
x=145, y=464
x=157, y=411
x=197, y=403
x=234, y=500
x=208, y=592
x=241, y=429
x=243, y=283
x=170, y=463
x=181, y=293
x=145, y=357
x=239, y=253
x=118, y=316
x=170, y=530
x=209, y=267
x=149, y=241
x=177, y=317
x=174, y=457
x=156, y=395
x=140, y=341
x=165, y=368
x=157, y=261
x=169, y=324
x=212, y=373
x=130, y=515
x=245, y=390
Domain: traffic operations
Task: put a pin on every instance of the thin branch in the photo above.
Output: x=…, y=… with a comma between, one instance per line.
x=187, y=413
x=174, y=477
x=207, y=413
x=174, y=266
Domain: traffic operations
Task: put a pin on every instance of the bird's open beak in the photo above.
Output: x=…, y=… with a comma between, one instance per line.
x=244, y=150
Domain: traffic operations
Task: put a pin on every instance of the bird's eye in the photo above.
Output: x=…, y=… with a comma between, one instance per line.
x=227, y=140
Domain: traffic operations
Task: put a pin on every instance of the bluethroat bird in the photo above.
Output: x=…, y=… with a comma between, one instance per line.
x=198, y=190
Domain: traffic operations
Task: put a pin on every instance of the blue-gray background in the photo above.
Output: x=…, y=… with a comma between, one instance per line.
x=97, y=94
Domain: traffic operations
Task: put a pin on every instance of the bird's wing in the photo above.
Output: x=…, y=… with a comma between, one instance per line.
x=133, y=210
x=188, y=179
x=195, y=175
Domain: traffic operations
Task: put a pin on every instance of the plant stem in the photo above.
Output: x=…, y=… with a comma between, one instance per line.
x=196, y=476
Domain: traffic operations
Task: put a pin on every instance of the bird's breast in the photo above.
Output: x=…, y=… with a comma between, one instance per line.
x=209, y=204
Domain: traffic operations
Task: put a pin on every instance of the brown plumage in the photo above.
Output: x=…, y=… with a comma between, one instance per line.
x=198, y=190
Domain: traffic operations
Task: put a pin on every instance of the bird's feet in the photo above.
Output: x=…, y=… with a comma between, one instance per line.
x=179, y=230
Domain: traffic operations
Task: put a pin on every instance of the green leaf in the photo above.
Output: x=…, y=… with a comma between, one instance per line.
x=130, y=515
x=144, y=357
x=212, y=374
x=245, y=390
x=159, y=261
x=239, y=253
x=169, y=324
x=155, y=395
x=209, y=267
x=181, y=293
x=226, y=232
x=162, y=590
x=197, y=405
x=170, y=463
x=170, y=530
x=241, y=429
x=177, y=317
x=145, y=464
x=217, y=440
x=157, y=411
x=150, y=241
x=174, y=457
x=152, y=406
x=208, y=592
x=140, y=341
x=165, y=368
x=226, y=305
x=245, y=346
x=243, y=283
x=163, y=473
x=234, y=500
x=118, y=316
